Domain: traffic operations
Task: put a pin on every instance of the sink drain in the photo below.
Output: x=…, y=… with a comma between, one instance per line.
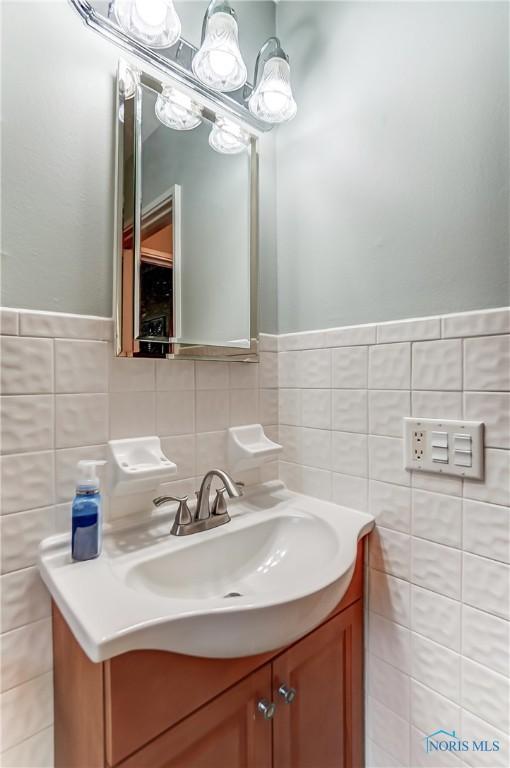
x=233, y=594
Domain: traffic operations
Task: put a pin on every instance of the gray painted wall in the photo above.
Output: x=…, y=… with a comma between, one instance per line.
x=58, y=157
x=392, y=192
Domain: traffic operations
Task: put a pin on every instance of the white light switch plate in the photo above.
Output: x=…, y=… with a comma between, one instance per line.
x=443, y=446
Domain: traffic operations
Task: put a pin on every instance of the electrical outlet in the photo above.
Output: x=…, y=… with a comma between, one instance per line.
x=418, y=444
x=443, y=446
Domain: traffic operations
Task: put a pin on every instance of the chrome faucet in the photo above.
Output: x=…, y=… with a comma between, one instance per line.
x=204, y=518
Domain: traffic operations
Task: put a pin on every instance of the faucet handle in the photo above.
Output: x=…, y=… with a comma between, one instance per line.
x=219, y=506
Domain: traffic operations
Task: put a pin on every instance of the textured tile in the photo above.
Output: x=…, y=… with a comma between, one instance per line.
x=34, y=752
x=430, y=708
x=269, y=404
x=390, y=552
x=486, y=585
x=386, y=410
x=496, y=485
x=290, y=407
x=487, y=363
x=27, y=481
x=349, y=367
x=391, y=505
x=211, y=375
x=436, y=405
x=437, y=365
x=244, y=376
x=389, y=731
x=83, y=419
x=288, y=370
x=81, y=366
x=212, y=410
x=350, y=336
x=181, y=450
x=27, y=423
x=27, y=366
x=486, y=530
x=477, y=323
x=65, y=469
x=316, y=408
x=436, y=667
x=376, y=756
x=292, y=475
x=211, y=451
x=478, y=729
x=437, y=517
x=133, y=374
x=349, y=491
x=349, y=410
x=388, y=685
x=9, y=322
x=24, y=599
x=316, y=482
x=486, y=638
x=436, y=567
x=409, y=330
x=59, y=325
x=268, y=342
x=244, y=406
x=26, y=710
x=314, y=369
x=386, y=460
x=349, y=454
x=390, y=366
x=175, y=412
x=486, y=694
x=178, y=374
x=436, y=617
x=268, y=369
x=422, y=759
x=21, y=534
x=493, y=408
x=437, y=483
x=390, y=642
x=290, y=439
x=316, y=448
x=302, y=340
x=390, y=597
x=25, y=653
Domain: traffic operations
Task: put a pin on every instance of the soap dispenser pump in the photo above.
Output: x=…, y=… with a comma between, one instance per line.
x=86, y=512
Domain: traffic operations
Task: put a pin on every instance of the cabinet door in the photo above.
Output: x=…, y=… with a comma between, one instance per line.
x=323, y=726
x=229, y=732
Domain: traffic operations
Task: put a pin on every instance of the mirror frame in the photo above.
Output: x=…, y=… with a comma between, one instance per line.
x=125, y=314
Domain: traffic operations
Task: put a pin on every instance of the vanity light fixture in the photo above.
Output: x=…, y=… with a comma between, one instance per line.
x=153, y=22
x=272, y=99
x=128, y=80
x=227, y=137
x=218, y=62
x=176, y=110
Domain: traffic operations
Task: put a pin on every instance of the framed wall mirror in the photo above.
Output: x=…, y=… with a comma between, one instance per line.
x=186, y=262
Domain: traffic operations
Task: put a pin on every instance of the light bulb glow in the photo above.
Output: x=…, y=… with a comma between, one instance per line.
x=176, y=110
x=153, y=22
x=272, y=99
x=228, y=138
x=218, y=63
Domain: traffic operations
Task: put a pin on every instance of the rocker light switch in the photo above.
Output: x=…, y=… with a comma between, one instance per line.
x=444, y=447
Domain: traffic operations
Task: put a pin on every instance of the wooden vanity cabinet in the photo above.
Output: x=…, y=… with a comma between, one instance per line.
x=151, y=709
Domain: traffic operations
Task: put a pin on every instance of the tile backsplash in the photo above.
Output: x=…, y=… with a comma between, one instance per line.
x=437, y=574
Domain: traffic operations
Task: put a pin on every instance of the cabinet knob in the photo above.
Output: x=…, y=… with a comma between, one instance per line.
x=267, y=708
x=288, y=694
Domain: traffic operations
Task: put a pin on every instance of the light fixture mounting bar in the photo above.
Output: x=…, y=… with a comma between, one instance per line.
x=177, y=64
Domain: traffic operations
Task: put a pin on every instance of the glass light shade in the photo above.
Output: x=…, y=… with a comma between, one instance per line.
x=218, y=63
x=272, y=99
x=153, y=22
x=176, y=110
x=227, y=137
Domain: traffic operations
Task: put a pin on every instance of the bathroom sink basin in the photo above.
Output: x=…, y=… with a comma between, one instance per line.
x=268, y=577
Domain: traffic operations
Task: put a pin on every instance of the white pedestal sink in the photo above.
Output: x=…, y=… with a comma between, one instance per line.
x=256, y=584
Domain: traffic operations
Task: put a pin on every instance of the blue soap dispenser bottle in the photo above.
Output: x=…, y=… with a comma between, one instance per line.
x=86, y=535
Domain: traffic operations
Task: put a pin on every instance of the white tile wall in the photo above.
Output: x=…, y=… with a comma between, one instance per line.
x=438, y=571
x=63, y=396
x=438, y=599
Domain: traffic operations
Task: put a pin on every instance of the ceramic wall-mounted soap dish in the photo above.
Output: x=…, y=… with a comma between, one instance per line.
x=249, y=447
x=138, y=465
